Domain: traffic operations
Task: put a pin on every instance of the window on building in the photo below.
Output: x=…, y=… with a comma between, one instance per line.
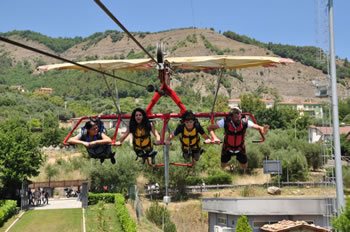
x=222, y=220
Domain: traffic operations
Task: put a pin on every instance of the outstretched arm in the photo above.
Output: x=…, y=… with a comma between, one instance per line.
x=105, y=140
x=211, y=129
x=170, y=137
x=76, y=140
x=156, y=134
x=263, y=129
x=121, y=139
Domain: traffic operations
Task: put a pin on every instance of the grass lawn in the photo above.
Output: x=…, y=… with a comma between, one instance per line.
x=55, y=220
x=102, y=217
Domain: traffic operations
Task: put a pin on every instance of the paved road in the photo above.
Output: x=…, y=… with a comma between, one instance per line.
x=62, y=203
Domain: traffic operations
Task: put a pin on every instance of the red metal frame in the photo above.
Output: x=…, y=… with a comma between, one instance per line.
x=163, y=75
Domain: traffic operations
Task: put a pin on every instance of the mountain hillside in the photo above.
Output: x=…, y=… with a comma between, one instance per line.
x=288, y=81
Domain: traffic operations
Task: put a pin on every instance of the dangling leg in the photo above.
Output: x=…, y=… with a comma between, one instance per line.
x=225, y=158
x=243, y=160
x=153, y=154
x=113, y=161
x=186, y=154
x=109, y=154
x=140, y=154
x=196, y=155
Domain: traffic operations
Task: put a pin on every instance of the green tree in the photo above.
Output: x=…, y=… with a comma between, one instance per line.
x=345, y=145
x=251, y=103
x=342, y=222
x=243, y=224
x=117, y=177
x=51, y=133
x=20, y=157
x=51, y=171
x=313, y=154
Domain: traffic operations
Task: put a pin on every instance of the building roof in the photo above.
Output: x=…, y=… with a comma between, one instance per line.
x=289, y=226
x=329, y=130
x=267, y=205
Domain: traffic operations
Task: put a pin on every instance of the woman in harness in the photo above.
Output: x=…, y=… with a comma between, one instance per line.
x=141, y=128
x=189, y=130
x=235, y=128
x=97, y=143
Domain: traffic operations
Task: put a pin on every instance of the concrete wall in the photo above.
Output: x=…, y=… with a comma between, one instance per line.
x=225, y=212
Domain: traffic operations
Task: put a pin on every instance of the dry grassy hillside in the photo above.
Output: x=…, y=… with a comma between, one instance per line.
x=289, y=81
x=18, y=53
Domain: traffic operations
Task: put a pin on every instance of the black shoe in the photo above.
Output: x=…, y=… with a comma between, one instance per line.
x=153, y=159
x=102, y=160
x=113, y=161
x=153, y=153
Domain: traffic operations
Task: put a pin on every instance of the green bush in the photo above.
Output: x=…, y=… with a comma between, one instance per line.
x=94, y=198
x=7, y=209
x=243, y=224
x=342, y=222
x=221, y=178
x=170, y=227
x=125, y=220
x=346, y=177
x=193, y=180
x=156, y=213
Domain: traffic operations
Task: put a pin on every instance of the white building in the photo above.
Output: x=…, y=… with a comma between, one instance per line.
x=311, y=108
x=223, y=213
x=324, y=134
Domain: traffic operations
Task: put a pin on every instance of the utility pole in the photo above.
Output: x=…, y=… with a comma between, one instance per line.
x=335, y=114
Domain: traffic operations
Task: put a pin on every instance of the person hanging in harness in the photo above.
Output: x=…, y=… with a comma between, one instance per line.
x=141, y=128
x=97, y=143
x=235, y=128
x=189, y=130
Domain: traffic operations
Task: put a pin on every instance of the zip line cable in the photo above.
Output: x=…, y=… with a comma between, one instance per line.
x=105, y=9
x=6, y=40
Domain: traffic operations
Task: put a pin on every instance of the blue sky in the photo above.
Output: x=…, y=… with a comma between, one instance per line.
x=294, y=22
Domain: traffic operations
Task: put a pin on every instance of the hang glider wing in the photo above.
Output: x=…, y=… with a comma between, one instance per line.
x=182, y=63
x=224, y=62
x=103, y=65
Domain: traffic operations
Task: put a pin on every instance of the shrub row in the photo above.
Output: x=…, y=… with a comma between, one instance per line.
x=123, y=215
x=122, y=212
x=7, y=209
x=94, y=198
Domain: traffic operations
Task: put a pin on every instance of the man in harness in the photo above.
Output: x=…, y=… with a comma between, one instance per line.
x=235, y=128
x=189, y=131
x=97, y=143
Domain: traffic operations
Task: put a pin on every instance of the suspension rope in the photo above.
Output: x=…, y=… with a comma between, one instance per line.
x=66, y=60
x=105, y=9
x=111, y=93
x=217, y=90
x=116, y=99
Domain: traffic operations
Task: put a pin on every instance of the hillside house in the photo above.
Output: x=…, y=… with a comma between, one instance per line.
x=324, y=134
x=47, y=91
x=18, y=88
x=311, y=108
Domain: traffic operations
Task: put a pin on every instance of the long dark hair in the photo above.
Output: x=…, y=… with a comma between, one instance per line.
x=89, y=124
x=145, y=123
